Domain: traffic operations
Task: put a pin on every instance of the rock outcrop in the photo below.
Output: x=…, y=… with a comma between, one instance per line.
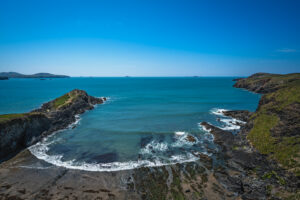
x=18, y=131
x=242, y=115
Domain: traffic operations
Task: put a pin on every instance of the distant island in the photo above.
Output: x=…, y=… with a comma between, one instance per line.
x=6, y=75
x=3, y=78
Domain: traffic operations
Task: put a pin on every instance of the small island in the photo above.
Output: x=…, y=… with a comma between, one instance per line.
x=38, y=75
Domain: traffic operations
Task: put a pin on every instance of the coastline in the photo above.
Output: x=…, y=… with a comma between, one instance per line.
x=237, y=171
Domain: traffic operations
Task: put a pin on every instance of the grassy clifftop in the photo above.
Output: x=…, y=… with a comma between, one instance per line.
x=67, y=98
x=275, y=126
x=266, y=83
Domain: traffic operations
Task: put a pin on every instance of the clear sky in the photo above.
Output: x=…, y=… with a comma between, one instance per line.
x=150, y=38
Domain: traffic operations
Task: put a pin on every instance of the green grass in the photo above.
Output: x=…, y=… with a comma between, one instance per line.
x=284, y=97
x=260, y=135
x=61, y=100
x=7, y=117
x=275, y=81
x=285, y=150
x=275, y=175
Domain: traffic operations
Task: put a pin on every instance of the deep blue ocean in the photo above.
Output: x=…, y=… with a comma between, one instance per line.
x=145, y=122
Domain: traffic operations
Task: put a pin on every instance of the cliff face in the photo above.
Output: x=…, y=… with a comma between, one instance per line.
x=18, y=131
x=274, y=129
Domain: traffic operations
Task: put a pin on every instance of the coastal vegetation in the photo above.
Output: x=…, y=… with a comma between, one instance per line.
x=9, y=117
x=276, y=123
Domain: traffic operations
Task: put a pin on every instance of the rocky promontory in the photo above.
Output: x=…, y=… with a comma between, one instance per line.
x=18, y=131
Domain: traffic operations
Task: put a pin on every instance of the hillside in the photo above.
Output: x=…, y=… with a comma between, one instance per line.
x=274, y=129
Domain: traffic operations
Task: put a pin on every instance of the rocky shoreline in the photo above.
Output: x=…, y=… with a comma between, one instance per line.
x=239, y=169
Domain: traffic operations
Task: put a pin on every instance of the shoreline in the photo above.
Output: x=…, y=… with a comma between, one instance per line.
x=237, y=171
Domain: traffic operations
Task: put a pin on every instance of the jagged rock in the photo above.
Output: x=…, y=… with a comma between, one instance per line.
x=242, y=115
x=190, y=138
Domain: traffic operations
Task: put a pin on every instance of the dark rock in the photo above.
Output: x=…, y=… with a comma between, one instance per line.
x=242, y=115
x=190, y=138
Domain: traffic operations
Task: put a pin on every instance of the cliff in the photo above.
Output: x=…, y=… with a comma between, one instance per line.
x=274, y=129
x=18, y=131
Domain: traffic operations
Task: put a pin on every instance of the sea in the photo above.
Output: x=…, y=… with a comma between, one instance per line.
x=146, y=121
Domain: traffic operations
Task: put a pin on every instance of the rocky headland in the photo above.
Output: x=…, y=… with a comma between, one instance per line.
x=261, y=161
x=18, y=131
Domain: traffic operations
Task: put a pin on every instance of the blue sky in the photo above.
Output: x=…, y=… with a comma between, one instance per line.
x=150, y=38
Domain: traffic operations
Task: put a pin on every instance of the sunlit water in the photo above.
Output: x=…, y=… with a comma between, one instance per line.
x=145, y=121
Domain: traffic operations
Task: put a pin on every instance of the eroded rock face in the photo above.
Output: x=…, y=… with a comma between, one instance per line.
x=25, y=130
x=20, y=133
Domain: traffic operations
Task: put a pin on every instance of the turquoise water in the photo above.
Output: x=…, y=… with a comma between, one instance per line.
x=145, y=121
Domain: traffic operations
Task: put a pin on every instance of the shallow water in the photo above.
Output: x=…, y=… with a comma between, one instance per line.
x=145, y=121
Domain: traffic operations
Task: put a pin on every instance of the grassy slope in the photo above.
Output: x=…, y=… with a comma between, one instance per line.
x=65, y=99
x=285, y=150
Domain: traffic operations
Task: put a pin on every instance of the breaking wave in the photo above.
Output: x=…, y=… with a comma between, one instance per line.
x=40, y=150
x=228, y=123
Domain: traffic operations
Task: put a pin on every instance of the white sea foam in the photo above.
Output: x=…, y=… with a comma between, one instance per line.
x=154, y=146
x=204, y=128
x=74, y=124
x=207, y=132
x=181, y=139
x=229, y=122
x=40, y=151
x=217, y=111
x=179, y=133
